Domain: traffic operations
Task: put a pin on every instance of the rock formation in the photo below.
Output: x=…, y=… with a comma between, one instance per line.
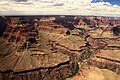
x=28, y=50
x=51, y=48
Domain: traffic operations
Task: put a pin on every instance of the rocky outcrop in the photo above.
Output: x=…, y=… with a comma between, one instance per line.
x=25, y=61
x=51, y=48
x=48, y=25
x=27, y=53
x=108, y=57
x=93, y=22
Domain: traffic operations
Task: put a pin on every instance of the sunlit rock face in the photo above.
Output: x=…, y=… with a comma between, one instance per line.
x=38, y=45
x=48, y=48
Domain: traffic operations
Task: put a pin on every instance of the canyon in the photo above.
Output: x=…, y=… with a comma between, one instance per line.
x=54, y=47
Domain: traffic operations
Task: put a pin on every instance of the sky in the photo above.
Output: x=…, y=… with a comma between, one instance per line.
x=113, y=2
x=60, y=7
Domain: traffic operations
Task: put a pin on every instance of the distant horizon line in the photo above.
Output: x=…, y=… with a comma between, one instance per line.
x=17, y=15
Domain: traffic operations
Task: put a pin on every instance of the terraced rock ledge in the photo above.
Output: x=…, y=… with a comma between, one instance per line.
x=55, y=48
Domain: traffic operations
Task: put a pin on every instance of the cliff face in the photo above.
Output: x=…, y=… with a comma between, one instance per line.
x=103, y=36
x=116, y=30
x=19, y=33
x=31, y=48
x=99, y=21
x=50, y=48
x=47, y=25
x=2, y=25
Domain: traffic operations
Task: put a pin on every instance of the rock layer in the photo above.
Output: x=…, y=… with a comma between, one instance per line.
x=50, y=48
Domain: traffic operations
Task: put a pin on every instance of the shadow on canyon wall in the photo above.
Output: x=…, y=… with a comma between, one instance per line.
x=2, y=25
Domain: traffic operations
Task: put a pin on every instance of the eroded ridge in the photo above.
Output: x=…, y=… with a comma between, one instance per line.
x=50, y=48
